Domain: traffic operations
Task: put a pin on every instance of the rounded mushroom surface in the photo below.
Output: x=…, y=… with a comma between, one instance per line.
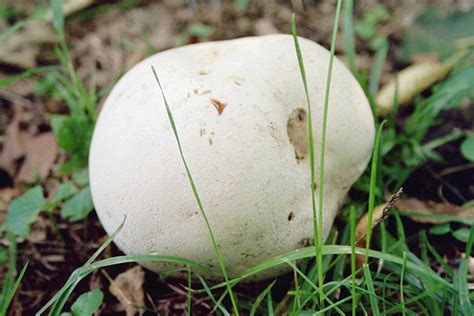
x=240, y=111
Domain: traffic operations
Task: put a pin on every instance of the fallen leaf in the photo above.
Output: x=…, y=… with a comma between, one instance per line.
x=41, y=152
x=379, y=213
x=21, y=48
x=438, y=211
x=265, y=26
x=13, y=147
x=127, y=287
x=411, y=81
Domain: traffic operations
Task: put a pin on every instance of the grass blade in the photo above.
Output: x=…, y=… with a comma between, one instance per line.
x=196, y=195
x=12, y=291
x=374, y=304
x=348, y=33
x=260, y=298
x=372, y=191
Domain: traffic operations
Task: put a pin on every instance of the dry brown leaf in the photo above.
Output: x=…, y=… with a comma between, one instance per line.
x=265, y=26
x=6, y=195
x=127, y=287
x=13, y=147
x=433, y=208
x=22, y=47
x=411, y=81
x=41, y=152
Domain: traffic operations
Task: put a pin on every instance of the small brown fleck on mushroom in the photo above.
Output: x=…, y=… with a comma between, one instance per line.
x=291, y=216
x=203, y=72
x=219, y=105
x=202, y=132
x=210, y=141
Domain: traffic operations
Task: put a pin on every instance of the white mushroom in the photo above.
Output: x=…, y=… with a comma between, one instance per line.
x=240, y=110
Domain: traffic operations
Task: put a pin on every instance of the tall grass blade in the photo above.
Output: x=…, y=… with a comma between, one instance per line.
x=11, y=292
x=374, y=304
x=348, y=34
x=372, y=190
x=196, y=195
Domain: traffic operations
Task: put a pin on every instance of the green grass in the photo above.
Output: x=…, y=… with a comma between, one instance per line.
x=398, y=279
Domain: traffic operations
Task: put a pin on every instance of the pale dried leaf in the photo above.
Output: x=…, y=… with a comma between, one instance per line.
x=411, y=81
x=434, y=208
x=265, y=26
x=13, y=147
x=127, y=287
x=41, y=152
x=21, y=48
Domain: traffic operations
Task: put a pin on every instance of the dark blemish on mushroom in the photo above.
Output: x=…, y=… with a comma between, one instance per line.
x=291, y=216
x=218, y=105
x=203, y=72
x=210, y=141
x=297, y=128
x=202, y=131
x=315, y=186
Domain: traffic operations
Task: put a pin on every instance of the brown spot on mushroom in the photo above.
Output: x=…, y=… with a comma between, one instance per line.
x=237, y=80
x=219, y=105
x=297, y=128
x=202, y=131
x=210, y=141
x=291, y=215
x=203, y=72
x=198, y=91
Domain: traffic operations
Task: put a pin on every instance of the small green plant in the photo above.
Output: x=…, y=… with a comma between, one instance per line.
x=86, y=304
x=74, y=131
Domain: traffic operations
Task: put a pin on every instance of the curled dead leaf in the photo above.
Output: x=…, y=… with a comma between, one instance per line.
x=420, y=211
x=411, y=81
x=127, y=287
x=379, y=214
x=41, y=151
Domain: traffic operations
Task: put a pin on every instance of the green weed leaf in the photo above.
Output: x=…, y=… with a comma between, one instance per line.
x=467, y=148
x=23, y=210
x=65, y=191
x=79, y=206
x=86, y=304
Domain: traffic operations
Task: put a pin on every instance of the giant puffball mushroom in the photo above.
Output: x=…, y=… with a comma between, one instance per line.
x=240, y=111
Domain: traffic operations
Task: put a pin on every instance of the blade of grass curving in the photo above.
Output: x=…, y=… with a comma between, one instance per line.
x=402, y=277
x=377, y=67
x=11, y=292
x=270, y=304
x=322, y=150
x=308, y=252
x=26, y=74
x=461, y=279
x=260, y=298
x=217, y=305
x=374, y=305
x=73, y=277
x=372, y=190
x=316, y=288
x=310, y=140
x=353, y=260
x=348, y=34
x=196, y=195
x=84, y=271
